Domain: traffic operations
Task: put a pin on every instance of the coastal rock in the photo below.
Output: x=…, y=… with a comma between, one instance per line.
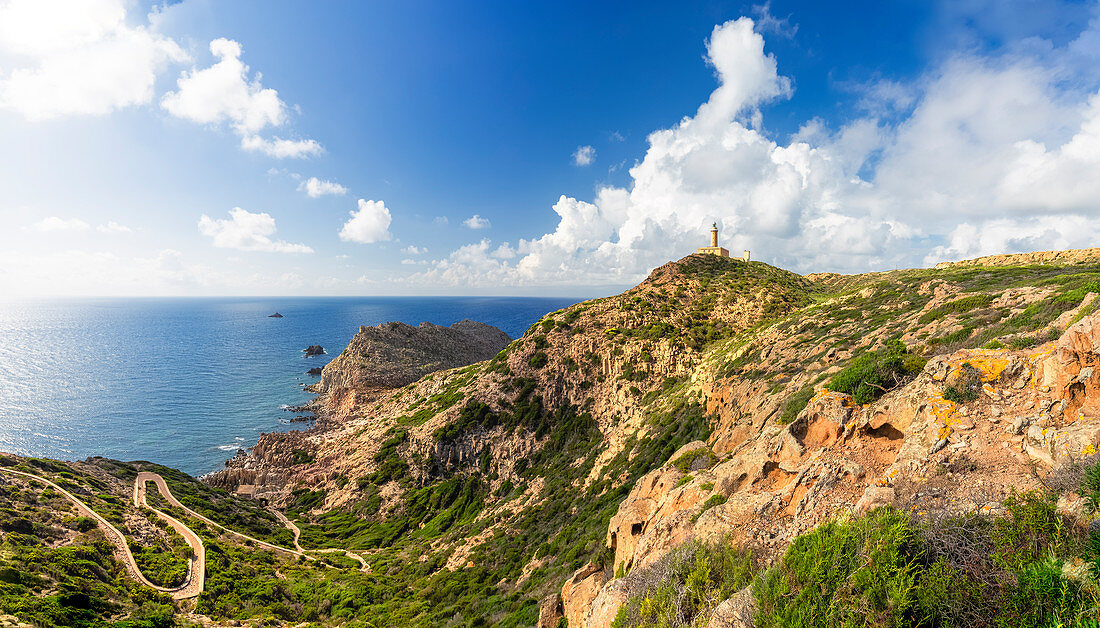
x=313, y=350
x=275, y=315
x=781, y=454
x=394, y=354
x=315, y=371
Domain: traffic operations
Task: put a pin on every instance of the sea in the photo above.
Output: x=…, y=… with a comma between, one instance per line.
x=187, y=382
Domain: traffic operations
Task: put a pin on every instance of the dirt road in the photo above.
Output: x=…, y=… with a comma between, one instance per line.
x=196, y=575
x=190, y=588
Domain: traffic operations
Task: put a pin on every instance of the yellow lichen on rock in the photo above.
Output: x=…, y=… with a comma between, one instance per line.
x=991, y=363
x=942, y=409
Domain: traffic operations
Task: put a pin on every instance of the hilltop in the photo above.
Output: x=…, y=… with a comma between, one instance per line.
x=718, y=408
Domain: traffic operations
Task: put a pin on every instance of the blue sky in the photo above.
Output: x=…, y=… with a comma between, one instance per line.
x=210, y=148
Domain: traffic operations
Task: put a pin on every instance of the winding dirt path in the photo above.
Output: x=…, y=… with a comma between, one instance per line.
x=197, y=578
x=162, y=486
x=189, y=589
x=363, y=566
x=196, y=574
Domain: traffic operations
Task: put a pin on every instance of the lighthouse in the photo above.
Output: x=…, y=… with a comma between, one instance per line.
x=714, y=249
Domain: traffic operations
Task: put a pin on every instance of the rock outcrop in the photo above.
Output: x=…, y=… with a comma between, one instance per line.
x=313, y=350
x=911, y=449
x=392, y=355
x=1072, y=256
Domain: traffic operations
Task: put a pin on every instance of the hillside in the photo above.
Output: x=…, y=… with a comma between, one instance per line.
x=501, y=479
x=688, y=442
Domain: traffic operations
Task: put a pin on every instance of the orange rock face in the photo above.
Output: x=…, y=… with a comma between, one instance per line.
x=912, y=448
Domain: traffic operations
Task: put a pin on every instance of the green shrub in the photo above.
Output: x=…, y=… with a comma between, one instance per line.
x=1022, y=342
x=714, y=500
x=1090, y=486
x=958, y=306
x=887, y=569
x=856, y=573
x=538, y=360
x=796, y=403
x=967, y=387
x=683, y=587
x=695, y=459
x=874, y=373
x=1075, y=296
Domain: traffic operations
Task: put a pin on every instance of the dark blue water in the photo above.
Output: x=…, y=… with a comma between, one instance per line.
x=185, y=382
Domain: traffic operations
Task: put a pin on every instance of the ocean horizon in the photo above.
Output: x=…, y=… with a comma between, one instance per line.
x=183, y=381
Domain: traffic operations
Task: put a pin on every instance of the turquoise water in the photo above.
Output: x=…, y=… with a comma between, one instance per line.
x=185, y=382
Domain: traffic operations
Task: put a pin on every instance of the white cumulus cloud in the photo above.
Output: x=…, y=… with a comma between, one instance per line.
x=226, y=93
x=584, y=155
x=280, y=148
x=78, y=57
x=413, y=250
x=316, y=188
x=368, y=224
x=247, y=231
x=476, y=222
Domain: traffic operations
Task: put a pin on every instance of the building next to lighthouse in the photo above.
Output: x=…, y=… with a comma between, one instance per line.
x=714, y=249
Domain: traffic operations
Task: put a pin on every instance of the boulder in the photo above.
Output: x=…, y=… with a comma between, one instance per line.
x=875, y=497
x=606, y=605
x=736, y=612
x=550, y=611
x=579, y=591
x=314, y=350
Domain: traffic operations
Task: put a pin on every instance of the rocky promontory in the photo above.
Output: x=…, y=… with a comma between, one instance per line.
x=378, y=358
x=394, y=354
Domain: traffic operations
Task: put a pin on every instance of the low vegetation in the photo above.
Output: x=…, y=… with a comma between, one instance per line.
x=684, y=587
x=875, y=373
x=1029, y=567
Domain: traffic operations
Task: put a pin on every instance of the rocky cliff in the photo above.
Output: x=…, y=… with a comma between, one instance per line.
x=717, y=399
x=394, y=354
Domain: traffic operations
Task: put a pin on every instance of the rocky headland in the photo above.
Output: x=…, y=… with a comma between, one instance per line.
x=376, y=360
x=395, y=354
